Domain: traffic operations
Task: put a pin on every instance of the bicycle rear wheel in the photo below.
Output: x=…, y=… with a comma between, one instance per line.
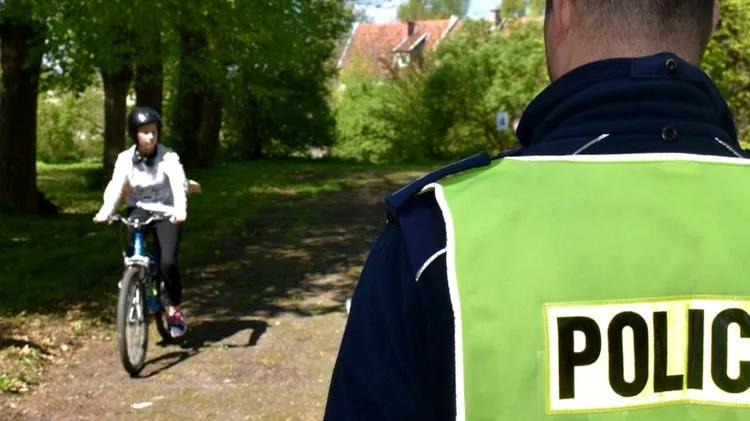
x=132, y=320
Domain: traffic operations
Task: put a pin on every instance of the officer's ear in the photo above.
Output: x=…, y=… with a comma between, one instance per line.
x=560, y=21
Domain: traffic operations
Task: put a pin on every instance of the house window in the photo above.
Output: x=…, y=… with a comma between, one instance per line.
x=402, y=60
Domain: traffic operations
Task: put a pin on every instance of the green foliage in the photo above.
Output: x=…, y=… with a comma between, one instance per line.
x=406, y=109
x=271, y=60
x=445, y=107
x=727, y=61
x=432, y=9
x=69, y=126
x=273, y=67
x=512, y=8
x=536, y=7
x=361, y=134
x=85, y=37
x=413, y=10
x=522, y=8
x=481, y=74
x=381, y=120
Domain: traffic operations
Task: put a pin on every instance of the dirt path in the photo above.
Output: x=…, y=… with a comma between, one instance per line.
x=266, y=315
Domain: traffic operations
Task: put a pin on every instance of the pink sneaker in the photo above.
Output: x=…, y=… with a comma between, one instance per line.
x=177, y=324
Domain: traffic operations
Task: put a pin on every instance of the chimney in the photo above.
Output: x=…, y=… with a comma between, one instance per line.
x=409, y=28
x=495, y=17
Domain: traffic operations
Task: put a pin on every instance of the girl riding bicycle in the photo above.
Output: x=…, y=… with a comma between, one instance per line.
x=154, y=181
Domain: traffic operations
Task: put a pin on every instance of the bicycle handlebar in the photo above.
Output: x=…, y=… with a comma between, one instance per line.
x=155, y=217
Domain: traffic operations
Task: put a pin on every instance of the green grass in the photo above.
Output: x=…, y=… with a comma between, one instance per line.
x=54, y=263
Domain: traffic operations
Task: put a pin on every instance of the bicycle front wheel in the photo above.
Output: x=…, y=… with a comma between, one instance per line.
x=132, y=320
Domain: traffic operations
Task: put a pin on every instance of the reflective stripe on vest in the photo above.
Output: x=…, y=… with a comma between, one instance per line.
x=601, y=287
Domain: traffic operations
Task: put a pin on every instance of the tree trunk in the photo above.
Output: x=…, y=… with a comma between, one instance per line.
x=257, y=146
x=149, y=77
x=252, y=136
x=21, y=60
x=212, y=105
x=190, y=91
x=210, y=128
x=116, y=87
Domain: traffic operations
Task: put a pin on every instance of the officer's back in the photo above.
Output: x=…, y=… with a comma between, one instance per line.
x=593, y=274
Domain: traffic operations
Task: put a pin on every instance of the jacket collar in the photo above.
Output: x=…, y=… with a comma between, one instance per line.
x=628, y=96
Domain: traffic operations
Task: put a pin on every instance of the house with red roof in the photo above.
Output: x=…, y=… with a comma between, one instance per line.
x=379, y=48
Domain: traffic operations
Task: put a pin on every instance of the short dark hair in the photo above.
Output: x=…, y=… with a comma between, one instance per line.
x=659, y=20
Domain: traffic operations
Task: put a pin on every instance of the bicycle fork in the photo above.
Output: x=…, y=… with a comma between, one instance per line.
x=136, y=310
x=154, y=304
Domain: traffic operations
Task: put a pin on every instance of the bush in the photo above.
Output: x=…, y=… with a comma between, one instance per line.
x=70, y=126
x=727, y=61
x=361, y=135
x=384, y=121
x=483, y=72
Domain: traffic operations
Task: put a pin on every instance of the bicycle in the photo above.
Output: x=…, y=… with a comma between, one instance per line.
x=140, y=280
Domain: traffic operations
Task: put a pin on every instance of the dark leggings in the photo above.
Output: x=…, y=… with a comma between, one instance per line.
x=166, y=245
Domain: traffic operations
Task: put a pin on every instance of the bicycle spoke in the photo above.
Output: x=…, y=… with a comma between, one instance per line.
x=136, y=319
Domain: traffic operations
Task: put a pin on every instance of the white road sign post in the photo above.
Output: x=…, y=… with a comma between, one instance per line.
x=501, y=121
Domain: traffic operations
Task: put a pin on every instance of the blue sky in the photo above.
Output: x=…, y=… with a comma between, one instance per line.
x=385, y=10
x=481, y=8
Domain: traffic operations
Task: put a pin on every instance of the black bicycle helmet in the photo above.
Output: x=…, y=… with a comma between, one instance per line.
x=140, y=116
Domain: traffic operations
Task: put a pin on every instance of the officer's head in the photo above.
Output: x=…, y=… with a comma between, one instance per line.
x=581, y=31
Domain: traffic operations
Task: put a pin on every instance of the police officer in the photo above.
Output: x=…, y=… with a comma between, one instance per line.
x=588, y=275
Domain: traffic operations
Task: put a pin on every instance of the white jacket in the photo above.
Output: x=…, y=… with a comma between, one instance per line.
x=161, y=187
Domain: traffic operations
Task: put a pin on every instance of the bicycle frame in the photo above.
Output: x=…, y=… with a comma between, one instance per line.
x=140, y=295
x=142, y=258
x=139, y=256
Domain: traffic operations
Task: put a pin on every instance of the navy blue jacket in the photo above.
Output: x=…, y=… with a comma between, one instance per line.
x=396, y=356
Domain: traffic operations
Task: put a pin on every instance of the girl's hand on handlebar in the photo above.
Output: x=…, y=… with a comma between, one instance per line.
x=100, y=218
x=178, y=217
